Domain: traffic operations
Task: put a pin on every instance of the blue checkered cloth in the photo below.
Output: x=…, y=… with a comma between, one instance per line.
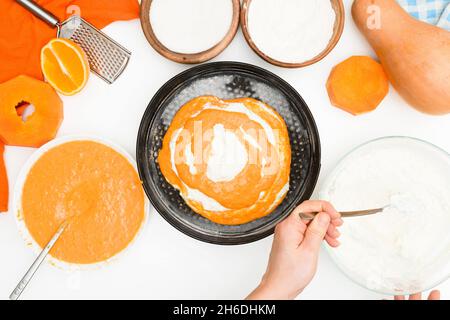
x=436, y=12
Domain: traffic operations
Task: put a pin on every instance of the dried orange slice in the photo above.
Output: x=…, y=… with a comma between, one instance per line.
x=65, y=66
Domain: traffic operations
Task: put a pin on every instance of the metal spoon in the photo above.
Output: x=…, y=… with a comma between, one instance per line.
x=37, y=263
x=77, y=205
x=348, y=214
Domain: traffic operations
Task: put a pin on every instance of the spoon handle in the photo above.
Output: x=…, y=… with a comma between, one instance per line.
x=360, y=213
x=37, y=263
x=348, y=214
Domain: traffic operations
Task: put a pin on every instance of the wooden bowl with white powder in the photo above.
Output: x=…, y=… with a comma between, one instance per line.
x=190, y=31
x=292, y=33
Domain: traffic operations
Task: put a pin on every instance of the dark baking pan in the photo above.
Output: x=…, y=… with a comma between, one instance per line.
x=227, y=80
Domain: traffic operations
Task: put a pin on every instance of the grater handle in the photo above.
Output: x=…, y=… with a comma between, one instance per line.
x=39, y=12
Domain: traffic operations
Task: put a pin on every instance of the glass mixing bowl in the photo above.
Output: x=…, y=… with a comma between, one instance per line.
x=442, y=272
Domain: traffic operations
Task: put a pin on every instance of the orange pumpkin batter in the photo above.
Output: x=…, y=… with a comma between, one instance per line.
x=92, y=186
x=257, y=188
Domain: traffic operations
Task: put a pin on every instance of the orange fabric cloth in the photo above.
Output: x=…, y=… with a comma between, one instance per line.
x=4, y=188
x=22, y=35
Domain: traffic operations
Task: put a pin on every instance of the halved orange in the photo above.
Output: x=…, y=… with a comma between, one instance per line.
x=65, y=66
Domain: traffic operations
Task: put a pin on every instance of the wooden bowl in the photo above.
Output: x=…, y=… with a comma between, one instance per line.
x=338, y=7
x=184, y=57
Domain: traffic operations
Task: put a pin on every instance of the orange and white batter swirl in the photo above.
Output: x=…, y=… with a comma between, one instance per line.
x=229, y=159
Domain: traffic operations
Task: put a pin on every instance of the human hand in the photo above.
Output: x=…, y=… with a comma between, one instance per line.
x=295, y=251
x=434, y=295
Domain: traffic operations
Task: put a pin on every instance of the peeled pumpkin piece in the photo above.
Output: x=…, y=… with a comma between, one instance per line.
x=41, y=126
x=357, y=85
x=414, y=54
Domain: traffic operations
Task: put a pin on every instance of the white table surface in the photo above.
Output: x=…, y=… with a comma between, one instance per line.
x=164, y=263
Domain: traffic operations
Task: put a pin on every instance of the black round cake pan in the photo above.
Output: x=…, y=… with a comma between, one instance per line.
x=227, y=80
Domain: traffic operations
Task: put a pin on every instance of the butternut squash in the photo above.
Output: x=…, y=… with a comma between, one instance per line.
x=415, y=55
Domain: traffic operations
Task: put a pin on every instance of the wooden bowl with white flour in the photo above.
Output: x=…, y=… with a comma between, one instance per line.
x=292, y=34
x=191, y=31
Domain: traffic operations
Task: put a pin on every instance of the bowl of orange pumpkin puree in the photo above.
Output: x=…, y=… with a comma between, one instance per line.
x=89, y=182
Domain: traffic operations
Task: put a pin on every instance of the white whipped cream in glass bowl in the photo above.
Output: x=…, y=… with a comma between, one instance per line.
x=406, y=248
